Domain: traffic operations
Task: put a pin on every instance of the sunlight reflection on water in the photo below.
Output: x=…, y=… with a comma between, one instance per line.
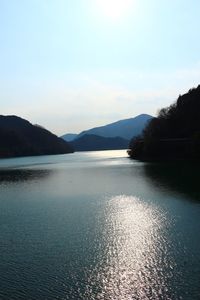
x=132, y=267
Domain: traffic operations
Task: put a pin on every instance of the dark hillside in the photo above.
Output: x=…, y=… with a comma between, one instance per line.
x=90, y=142
x=19, y=137
x=175, y=133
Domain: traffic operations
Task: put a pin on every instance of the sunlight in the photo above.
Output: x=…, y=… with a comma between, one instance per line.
x=114, y=9
x=131, y=238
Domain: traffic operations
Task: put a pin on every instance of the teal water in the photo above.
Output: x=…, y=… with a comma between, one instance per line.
x=97, y=225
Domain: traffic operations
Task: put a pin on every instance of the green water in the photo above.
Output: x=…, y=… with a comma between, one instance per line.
x=97, y=225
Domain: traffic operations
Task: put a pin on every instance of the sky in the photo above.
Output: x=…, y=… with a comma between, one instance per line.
x=70, y=65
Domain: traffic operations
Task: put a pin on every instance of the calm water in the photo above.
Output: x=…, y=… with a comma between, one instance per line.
x=98, y=226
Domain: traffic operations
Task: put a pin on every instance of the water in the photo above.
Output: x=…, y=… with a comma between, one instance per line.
x=97, y=225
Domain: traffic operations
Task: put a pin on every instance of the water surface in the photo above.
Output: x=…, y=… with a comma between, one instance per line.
x=97, y=225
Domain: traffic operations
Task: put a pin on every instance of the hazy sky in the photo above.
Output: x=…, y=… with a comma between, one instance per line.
x=74, y=64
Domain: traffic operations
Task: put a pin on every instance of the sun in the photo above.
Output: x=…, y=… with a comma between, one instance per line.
x=114, y=9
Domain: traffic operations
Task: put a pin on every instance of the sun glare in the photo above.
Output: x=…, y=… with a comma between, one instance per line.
x=114, y=9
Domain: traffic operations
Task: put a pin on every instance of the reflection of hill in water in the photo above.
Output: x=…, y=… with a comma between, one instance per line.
x=179, y=177
x=17, y=175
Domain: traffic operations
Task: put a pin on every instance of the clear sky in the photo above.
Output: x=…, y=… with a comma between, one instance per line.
x=70, y=65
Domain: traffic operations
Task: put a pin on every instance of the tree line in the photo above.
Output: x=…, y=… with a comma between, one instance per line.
x=174, y=133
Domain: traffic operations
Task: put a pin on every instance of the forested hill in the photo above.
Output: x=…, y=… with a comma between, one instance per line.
x=175, y=133
x=90, y=142
x=18, y=137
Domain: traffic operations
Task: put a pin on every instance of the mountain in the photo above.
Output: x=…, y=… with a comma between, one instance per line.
x=90, y=142
x=18, y=137
x=125, y=129
x=111, y=136
x=69, y=137
x=175, y=133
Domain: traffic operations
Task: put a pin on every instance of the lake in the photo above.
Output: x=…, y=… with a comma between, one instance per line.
x=97, y=225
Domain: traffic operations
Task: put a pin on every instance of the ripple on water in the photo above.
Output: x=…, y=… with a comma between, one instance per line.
x=132, y=260
x=118, y=250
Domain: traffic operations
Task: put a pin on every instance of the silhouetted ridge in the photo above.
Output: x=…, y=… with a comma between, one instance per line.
x=175, y=133
x=18, y=137
x=69, y=137
x=90, y=142
x=125, y=129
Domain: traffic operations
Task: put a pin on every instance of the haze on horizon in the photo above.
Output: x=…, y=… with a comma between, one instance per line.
x=72, y=65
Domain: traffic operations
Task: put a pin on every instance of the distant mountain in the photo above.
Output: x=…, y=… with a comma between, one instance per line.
x=90, y=142
x=18, y=137
x=111, y=136
x=69, y=137
x=125, y=129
